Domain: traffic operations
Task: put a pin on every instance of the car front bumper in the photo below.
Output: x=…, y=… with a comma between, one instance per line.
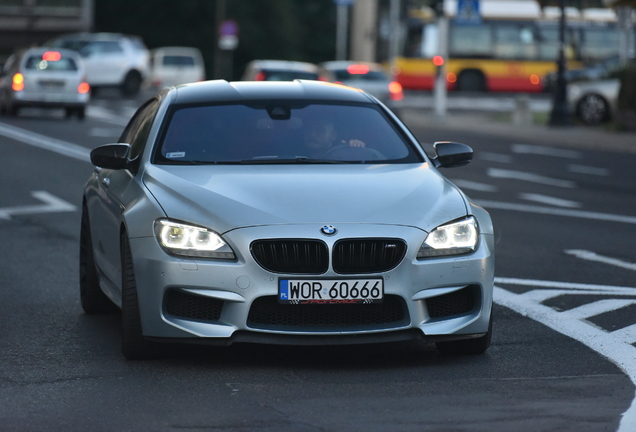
x=440, y=298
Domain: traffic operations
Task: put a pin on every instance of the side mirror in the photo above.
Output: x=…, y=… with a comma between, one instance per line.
x=451, y=154
x=111, y=156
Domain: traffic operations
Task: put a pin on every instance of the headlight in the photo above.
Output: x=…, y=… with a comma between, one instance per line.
x=451, y=239
x=191, y=241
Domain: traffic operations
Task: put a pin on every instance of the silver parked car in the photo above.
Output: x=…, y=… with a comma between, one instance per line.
x=44, y=78
x=594, y=102
x=111, y=59
x=369, y=77
x=282, y=212
x=279, y=70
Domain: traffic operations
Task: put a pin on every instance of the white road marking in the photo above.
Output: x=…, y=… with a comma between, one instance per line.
x=64, y=148
x=588, y=170
x=544, y=199
x=616, y=345
x=52, y=204
x=545, y=151
x=529, y=177
x=527, y=208
x=626, y=334
x=591, y=256
x=104, y=132
x=106, y=115
x=482, y=187
x=596, y=308
x=495, y=157
x=606, y=289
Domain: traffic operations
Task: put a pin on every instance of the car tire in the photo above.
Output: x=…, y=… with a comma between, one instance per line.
x=131, y=84
x=68, y=113
x=467, y=346
x=471, y=81
x=134, y=345
x=592, y=109
x=92, y=298
x=81, y=113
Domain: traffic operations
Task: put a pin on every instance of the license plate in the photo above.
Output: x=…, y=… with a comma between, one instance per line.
x=327, y=291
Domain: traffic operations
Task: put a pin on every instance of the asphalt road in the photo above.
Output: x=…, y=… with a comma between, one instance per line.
x=562, y=357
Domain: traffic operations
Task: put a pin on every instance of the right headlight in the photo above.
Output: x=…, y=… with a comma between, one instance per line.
x=455, y=238
x=191, y=241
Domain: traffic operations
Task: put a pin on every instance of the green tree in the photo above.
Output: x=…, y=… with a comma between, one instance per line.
x=274, y=29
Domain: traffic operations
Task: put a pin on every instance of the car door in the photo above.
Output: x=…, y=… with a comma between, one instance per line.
x=109, y=204
x=105, y=62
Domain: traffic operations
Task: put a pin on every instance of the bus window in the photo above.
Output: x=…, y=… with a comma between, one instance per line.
x=515, y=41
x=471, y=41
x=600, y=43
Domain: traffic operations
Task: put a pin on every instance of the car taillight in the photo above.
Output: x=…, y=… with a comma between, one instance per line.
x=260, y=76
x=395, y=91
x=358, y=69
x=18, y=82
x=83, y=88
x=51, y=56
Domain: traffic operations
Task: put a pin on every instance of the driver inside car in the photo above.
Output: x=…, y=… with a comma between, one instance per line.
x=321, y=136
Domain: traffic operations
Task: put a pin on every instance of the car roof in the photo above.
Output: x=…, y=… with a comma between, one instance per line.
x=171, y=50
x=96, y=36
x=236, y=91
x=284, y=65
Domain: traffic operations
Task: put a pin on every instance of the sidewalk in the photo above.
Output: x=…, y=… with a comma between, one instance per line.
x=575, y=136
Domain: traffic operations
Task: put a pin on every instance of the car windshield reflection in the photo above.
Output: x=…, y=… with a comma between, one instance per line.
x=280, y=133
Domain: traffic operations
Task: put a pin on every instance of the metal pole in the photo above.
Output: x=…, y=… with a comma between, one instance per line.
x=440, y=92
x=560, y=115
x=394, y=19
x=341, y=32
x=218, y=52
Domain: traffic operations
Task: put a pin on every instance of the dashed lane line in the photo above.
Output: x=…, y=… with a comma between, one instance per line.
x=64, y=148
x=544, y=199
x=527, y=208
x=544, y=151
x=591, y=256
x=529, y=177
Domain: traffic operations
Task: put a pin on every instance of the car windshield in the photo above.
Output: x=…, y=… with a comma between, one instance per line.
x=288, y=75
x=39, y=64
x=178, y=60
x=281, y=133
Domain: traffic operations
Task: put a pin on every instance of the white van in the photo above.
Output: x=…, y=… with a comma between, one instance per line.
x=171, y=66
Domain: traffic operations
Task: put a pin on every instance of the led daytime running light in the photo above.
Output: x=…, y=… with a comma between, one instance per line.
x=191, y=241
x=451, y=239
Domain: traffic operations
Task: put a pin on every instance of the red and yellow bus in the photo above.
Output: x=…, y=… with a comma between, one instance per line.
x=513, y=47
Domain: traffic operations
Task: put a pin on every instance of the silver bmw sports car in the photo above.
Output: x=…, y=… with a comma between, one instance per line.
x=282, y=212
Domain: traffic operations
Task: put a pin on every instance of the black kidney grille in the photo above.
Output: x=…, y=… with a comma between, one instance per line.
x=266, y=313
x=354, y=256
x=456, y=303
x=291, y=256
x=191, y=306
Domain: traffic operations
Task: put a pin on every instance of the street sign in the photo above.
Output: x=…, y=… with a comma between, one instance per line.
x=228, y=35
x=344, y=2
x=228, y=28
x=228, y=42
x=468, y=12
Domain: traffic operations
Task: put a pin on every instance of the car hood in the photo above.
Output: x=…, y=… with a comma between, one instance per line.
x=227, y=197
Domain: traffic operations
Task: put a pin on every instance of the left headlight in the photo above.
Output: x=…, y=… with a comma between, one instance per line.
x=191, y=241
x=454, y=238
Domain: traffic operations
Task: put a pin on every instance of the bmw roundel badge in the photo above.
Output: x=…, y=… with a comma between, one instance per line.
x=328, y=230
